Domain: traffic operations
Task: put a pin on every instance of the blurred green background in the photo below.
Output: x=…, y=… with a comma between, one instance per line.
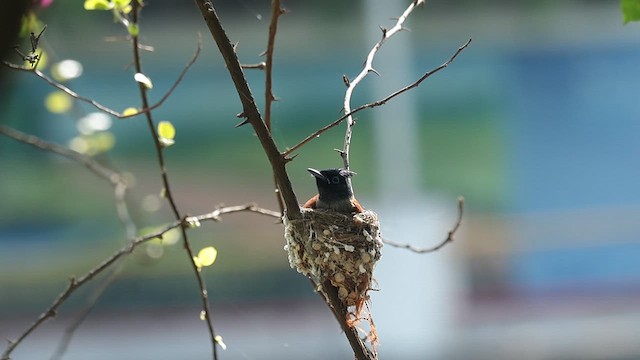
x=535, y=124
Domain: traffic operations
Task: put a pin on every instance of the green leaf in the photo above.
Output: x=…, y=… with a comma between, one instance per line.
x=129, y=111
x=133, y=29
x=630, y=10
x=166, y=133
x=124, y=6
x=98, y=5
x=207, y=256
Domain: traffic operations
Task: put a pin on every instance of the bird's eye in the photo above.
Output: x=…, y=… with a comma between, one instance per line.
x=336, y=179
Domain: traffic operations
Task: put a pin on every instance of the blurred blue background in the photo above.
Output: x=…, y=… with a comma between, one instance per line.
x=535, y=124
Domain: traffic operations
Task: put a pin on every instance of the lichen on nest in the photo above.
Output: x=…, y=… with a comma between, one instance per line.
x=326, y=245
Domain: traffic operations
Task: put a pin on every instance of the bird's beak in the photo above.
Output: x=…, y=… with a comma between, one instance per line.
x=317, y=174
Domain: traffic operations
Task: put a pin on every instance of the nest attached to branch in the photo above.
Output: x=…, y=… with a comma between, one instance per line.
x=329, y=246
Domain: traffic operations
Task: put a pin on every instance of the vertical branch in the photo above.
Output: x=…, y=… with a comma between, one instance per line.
x=167, y=189
x=250, y=110
x=368, y=68
x=276, y=11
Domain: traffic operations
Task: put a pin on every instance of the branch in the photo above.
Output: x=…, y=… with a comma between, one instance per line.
x=376, y=103
x=250, y=110
x=276, y=11
x=75, y=284
x=95, y=167
x=91, y=303
x=101, y=107
x=167, y=188
x=368, y=68
x=360, y=350
x=215, y=215
x=449, y=238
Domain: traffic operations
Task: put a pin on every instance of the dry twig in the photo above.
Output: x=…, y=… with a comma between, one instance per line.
x=447, y=240
x=368, y=68
x=250, y=110
x=206, y=308
x=380, y=102
x=76, y=283
x=101, y=107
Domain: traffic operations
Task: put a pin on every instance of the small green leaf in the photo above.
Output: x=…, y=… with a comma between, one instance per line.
x=166, y=133
x=122, y=5
x=133, y=29
x=630, y=10
x=207, y=256
x=129, y=111
x=98, y=5
x=144, y=80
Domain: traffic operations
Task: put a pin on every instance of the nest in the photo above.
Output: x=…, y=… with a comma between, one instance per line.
x=326, y=245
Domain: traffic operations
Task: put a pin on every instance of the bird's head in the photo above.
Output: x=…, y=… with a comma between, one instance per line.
x=333, y=184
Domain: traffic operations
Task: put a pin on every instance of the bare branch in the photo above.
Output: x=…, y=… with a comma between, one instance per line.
x=91, y=303
x=74, y=284
x=449, y=238
x=260, y=66
x=250, y=110
x=206, y=308
x=368, y=68
x=380, y=102
x=101, y=107
x=112, y=176
x=276, y=11
x=215, y=215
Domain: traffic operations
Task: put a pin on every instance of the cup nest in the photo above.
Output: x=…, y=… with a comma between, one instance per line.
x=343, y=249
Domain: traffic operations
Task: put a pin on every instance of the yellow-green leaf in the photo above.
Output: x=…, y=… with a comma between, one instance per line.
x=98, y=5
x=58, y=102
x=166, y=133
x=144, y=80
x=129, y=111
x=133, y=29
x=207, y=256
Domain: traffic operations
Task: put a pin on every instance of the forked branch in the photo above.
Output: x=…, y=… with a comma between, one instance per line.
x=380, y=102
x=368, y=68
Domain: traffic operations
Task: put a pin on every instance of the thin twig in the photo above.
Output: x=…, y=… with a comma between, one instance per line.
x=380, y=102
x=250, y=110
x=110, y=175
x=101, y=107
x=368, y=68
x=206, y=308
x=276, y=11
x=76, y=283
x=259, y=66
x=63, y=345
x=449, y=238
x=215, y=215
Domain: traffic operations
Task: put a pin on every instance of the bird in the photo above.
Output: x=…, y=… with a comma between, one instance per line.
x=334, y=192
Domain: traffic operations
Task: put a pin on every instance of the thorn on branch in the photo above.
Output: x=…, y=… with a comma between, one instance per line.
x=288, y=159
x=244, y=122
x=258, y=66
x=346, y=81
x=374, y=71
x=384, y=31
